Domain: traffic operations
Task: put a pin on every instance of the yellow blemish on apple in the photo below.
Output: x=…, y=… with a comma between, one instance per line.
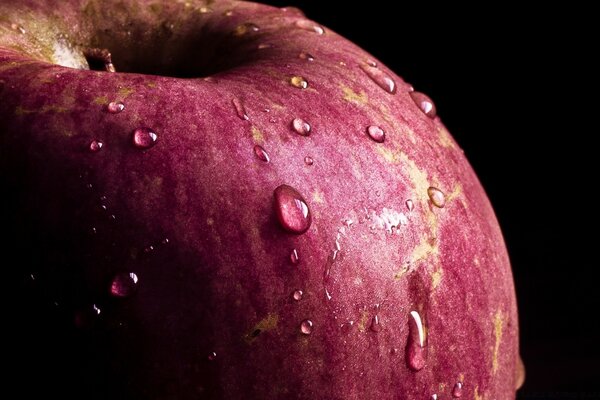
x=210, y=221
x=318, y=197
x=476, y=395
x=445, y=138
x=362, y=322
x=436, y=278
x=456, y=192
x=152, y=85
x=45, y=109
x=102, y=100
x=266, y=324
x=125, y=91
x=353, y=97
x=425, y=249
x=257, y=135
x=498, y=322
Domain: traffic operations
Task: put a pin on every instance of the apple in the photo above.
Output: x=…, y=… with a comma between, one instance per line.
x=227, y=200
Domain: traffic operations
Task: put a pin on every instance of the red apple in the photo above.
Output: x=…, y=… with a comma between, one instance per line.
x=250, y=207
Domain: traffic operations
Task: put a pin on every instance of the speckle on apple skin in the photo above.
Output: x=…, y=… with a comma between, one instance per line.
x=223, y=283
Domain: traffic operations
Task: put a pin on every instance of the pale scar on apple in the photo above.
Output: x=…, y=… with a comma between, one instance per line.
x=257, y=135
x=362, y=322
x=267, y=323
x=444, y=138
x=352, y=97
x=498, y=324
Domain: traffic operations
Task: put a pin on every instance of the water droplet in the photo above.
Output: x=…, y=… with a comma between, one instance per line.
x=299, y=82
x=228, y=13
x=434, y=397
x=409, y=205
x=261, y=153
x=310, y=26
x=376, y=133
x=375, y=324
x=245, y=28
x=144, y=138
x=371, y=63
x=123, y=284
x=415, y=347
x=95, y=146
x=520, y=373
x=424, y=103
x=18, y=28
x=294, y=257
x=457, y=390
x=297, y=295
x=306, y=56
x=96, y=309
x=347, y=326
x=240, y=109
x=263, y=46
x=204, y=10
x=165, y=241
x=301, y=127
x=212, y=356
x=381, y=78
x=436, y=196
x=293, y=10
x=115, y=107
x=291, y=209
x=308, y=160
x=306, y=327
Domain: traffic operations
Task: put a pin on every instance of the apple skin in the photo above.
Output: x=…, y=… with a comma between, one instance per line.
x=193, y=215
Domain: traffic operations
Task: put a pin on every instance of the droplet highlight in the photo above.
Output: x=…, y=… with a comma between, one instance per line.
x=261, y=153
x=95, y=146
x=291, y=210
x=245, y=28
x=115, y=107
x=306, y=56
x=144, y=138
x=299, y=82
x=306, y=327
x=381, y=78
x=376, y=133
x=212, y=356
x=308, y=161
x=294, y=257
x=124, y=284
x=457, y=390
x=297, y=295
x=301, y=127
x=415, y=346
x=424, y=103
x=310, y=26
x=436, y=196
x=18, y=28
x=240, y=109
x=410, y=205
x=375, y=324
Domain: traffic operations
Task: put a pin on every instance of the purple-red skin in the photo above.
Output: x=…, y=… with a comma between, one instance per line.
x=213, y=315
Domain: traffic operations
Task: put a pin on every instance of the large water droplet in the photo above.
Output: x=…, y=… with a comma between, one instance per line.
x=376, y=133
x=381, y=78
x=375, y=324
x=115, y=107
x=306, y=327
x=457, y=390
x=291, y=209
x=308, y=160
x=424, y=103
x=123, y=284
x=95, y=146
x=261, y=153
x=245, y=28
x=436, y=196
x=144, y=138
x=306, y=56
x=299, y=82
x=310, y=26
x=301, y=127
x=294, y=257
x=297, y=295
x=416, y=351
x=240, y=109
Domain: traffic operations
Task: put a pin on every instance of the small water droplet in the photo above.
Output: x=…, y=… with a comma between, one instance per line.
x=18, y=28
x=240, y=109
x=149, y=249
x=415, y=346
x=424, y=103
x=294, y=257
x=96, y=309
x=299, y=82
x=371, y=63
x=95, y=146
x=245, y=28
x=124, y=284
x=457, y=390
x=228, y=13
x=520, y=373
x=115, y=107
x=409, y=205
x=212, y=356
x=434, y=397
x=308, y=160
x=204, y=10
x=144, y=138
x=376, y=133
x=263, y=46
x=436, y=196
x=165, y=241
x=291, y=209
x=310, y=26
x=301, y=127
x=297, y=295
x=261, y=153
x=375, y=324
x=306, y=327
x=306, y=56
x=347, y=326
x=381, y=78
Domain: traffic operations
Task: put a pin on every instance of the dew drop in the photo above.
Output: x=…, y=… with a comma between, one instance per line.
x=306, y=56
x=204, y=10
x=144, y=138
x=96, y=310
x=436, y=196
x=261, y=153
x=371, y=63
x=240, y=109
x=434, y=397
x=245, y=28
x=347, y=327
x=376, y=133
x=95, y=146
x=124, y=284
x=308, y=160
x=381, y=78
x=228, y=13
x=263, y=46
x=306, y=327
x=299, y=82
x=291, y=209
x=415, y=347
x=457, y=390
x=301, y=127
x=424, y=103
x=18, y=28
x=293, y=10
x=310, y=26
x=520, y=373
x=115, y=107
x=297, y=295
x=212, y=356
x=409, y=205
x=294, y=257
x=375, y=324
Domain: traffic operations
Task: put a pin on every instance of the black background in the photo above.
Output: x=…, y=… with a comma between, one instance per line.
x=517, y=89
